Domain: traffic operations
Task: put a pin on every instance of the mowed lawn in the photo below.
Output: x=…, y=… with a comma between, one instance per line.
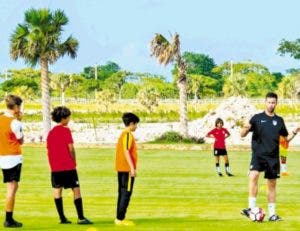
x=174, y=190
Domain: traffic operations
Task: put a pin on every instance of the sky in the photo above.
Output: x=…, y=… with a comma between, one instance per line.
x=120, y=31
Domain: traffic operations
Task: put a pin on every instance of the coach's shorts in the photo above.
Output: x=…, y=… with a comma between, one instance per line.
x=220, y=152
x=270, y=165
x=65, y=179
x=12, y=174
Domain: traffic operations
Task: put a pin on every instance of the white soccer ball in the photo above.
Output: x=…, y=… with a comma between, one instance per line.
x=257, y=214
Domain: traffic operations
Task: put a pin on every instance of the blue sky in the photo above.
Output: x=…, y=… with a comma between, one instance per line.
x=120, y=30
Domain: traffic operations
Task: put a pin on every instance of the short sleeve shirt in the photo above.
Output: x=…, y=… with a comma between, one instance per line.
x=266, y=132
x=219, y=135
x=59, y=155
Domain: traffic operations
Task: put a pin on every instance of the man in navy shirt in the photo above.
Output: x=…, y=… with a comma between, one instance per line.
x=266, y=127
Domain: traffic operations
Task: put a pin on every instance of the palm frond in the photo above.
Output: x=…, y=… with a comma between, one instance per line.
x=69, y=47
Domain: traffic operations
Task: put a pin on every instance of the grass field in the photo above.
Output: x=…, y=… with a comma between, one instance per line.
x=174, y=190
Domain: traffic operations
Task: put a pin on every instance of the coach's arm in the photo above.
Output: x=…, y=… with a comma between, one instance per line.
x=245, y=129
x=292, y=135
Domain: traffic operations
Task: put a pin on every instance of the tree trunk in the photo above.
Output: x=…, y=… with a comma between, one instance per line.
x=183, y=108
x=182, y=85
x=46, y=101
x=63, y=100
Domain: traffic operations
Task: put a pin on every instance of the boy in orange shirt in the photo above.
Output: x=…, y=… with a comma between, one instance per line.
x=283, y=151
x=11, y=139
x=126, y=162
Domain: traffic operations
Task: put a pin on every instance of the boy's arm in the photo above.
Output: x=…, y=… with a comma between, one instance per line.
x=130, y=163
x=227, y=133
x=127, y=141
x=210, y=134
x=72, y=151
x=16, y=127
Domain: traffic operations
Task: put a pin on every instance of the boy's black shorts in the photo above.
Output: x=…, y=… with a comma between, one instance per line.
x=66, y=179
x=220, y=152
x=12, y=174
x=270, y=165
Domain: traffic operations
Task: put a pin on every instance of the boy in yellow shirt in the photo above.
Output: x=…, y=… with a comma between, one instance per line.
x=126, y=162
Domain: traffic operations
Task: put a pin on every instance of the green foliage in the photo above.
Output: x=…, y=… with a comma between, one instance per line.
x=103, y=71
x=202, y=86
x=289, y=47
x=246, y=79
x=175, y=137
x=289, y=86
x=199, y=63
x=240, y=67
x=129, y=91
x=105, y=98
x=164, y=89
x=148, y=97
x=18, y=78
x=235, y=85
x=259, y=84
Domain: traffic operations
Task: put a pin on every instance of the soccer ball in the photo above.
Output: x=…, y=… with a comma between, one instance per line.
x=257, y=214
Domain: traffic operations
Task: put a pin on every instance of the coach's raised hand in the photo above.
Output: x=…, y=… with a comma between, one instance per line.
x=245, y=129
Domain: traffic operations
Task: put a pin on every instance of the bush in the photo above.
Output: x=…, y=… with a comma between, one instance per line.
x=175, y=137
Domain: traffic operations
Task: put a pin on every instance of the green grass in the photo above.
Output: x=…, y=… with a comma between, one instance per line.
x=174, y=190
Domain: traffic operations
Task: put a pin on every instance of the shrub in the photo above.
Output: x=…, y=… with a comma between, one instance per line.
x=175, y=137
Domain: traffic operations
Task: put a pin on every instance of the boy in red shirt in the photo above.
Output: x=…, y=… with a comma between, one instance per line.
x=62, y=161
x=220, y=134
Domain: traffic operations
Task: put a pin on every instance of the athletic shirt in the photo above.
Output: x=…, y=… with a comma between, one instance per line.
x=126, y=142
x=219, y=135
x=10, y=129
x=266, y=131
x=59, y=155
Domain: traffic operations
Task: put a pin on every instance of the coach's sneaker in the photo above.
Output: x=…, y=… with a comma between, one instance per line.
x=84, y=221
x=12, y=224
x=229, y=174
x=124, y=222
x=275, y=218
x=246, y=212
x=65, y=221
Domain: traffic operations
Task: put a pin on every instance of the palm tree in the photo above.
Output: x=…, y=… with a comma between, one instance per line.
x=167, y=52
x=38, y=41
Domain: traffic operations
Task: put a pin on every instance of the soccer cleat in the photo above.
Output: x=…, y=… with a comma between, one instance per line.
x=285, y=174
x=124, y=222
x=12, y=224
x=65, y=221
x=84, y=221
x=246, y=212
x=220, y=174
x=275, y=218
x=229, y=174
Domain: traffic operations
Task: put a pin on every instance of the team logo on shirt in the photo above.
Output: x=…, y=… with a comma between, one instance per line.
x=274, y=122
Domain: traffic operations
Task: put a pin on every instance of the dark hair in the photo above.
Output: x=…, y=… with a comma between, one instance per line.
x=60, y=113
x=129, y=117
x=13, y=100
x=219, y=120
x=271, y=95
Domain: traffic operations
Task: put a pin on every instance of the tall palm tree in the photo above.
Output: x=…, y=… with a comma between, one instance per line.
x=167, y=52
x=38, y=41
